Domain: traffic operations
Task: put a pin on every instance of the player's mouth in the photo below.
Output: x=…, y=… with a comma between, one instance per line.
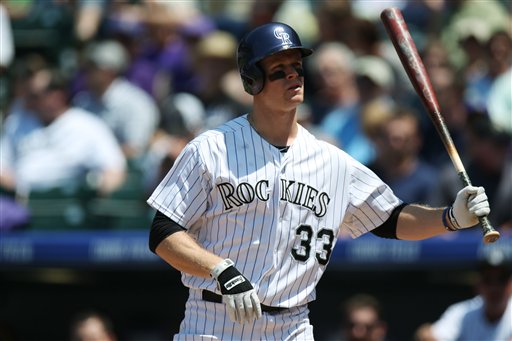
x=295, y=87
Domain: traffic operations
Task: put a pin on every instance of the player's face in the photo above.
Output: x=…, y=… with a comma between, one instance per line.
x=284, y=83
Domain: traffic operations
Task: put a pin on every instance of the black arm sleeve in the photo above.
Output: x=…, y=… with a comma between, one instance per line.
x=388, y=228
x=162, y=227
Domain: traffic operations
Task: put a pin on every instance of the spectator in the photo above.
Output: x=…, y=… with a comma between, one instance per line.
x=92, y=326
x=398, y=163
x=130, y=112
x=373, y=79
x=499, y=96
x=60, y=145
x=424, y=17
x=500, y=102
x=126, y=23
x=173, y=30
x=183, y=117
x=486, y=316
x=456, y=116
x=214, y=60
x=21, y=72
x=488, y=164
x=332, y=68
x=333, y=18
x=499, y=48
x=437, y=62
x=469, y=38
x=362, y=320
x=496, y=58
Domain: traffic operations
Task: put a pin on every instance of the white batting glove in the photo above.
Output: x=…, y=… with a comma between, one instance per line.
x=470, y=204
x=238, y=294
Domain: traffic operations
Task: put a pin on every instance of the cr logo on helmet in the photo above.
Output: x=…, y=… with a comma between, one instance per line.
x=279, y=33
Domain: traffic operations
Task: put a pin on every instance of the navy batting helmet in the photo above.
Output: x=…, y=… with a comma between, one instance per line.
x=263, y=41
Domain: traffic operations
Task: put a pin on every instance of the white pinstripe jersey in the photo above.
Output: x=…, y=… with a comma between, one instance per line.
x=276, y=215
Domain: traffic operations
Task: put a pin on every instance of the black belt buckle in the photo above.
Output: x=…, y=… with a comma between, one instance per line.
x=209, y=296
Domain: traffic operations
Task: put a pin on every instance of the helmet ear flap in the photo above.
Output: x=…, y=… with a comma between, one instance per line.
x=253, y=79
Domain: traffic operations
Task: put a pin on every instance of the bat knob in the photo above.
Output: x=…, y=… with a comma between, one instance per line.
x=491, y=236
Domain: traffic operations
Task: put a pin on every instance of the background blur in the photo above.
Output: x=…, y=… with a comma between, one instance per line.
x=146, y=77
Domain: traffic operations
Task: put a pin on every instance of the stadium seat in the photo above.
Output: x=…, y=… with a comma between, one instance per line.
x=59, y=208
x=126, y=207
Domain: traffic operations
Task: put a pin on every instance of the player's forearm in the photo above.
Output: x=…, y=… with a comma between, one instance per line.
x=183, y=253
x=419, y=222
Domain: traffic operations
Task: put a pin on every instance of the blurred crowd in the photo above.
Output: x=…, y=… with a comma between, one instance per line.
x=98, y=97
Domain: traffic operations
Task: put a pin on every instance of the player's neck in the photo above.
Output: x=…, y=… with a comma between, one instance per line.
x=279, y=129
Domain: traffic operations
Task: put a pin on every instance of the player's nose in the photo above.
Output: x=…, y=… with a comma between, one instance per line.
x=293, y=73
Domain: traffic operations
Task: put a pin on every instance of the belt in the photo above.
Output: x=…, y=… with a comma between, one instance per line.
x=213, y=297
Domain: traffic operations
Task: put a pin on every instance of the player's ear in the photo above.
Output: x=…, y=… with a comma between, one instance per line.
x=253, y=78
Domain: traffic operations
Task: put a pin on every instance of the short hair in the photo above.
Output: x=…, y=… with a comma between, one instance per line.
x=482, y=127
x=346, y=57
x=53, y=79
x=57, y=80
x=359, y=301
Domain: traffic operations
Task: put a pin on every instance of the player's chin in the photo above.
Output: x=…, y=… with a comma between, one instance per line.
x=297, y=100
x=297, y=96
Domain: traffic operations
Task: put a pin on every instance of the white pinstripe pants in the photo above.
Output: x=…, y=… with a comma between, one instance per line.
x=209, y=321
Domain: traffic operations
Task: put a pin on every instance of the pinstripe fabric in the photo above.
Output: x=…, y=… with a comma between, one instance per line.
x=276, y=215
x=209, y=321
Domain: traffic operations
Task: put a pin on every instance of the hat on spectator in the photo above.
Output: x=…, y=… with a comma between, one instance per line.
x=376, y=69
x=108, y=54
x=217, y=44
x=472, y=27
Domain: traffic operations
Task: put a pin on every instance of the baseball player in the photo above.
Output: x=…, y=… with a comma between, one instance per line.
x=250, y=212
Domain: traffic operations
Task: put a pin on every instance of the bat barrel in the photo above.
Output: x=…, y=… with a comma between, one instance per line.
x=408, y=53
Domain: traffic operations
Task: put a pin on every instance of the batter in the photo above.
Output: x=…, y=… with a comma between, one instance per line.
x=250, y=212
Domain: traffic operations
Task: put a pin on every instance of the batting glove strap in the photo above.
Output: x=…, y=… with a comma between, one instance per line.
x=219, y=268
x=231, y=282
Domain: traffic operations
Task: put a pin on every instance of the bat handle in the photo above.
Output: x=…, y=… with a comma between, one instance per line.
x=490, y=234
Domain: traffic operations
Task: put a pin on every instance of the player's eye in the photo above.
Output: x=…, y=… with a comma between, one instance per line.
x=279, y=74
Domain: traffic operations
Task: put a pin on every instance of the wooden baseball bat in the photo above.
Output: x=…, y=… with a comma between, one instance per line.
x=406, y=49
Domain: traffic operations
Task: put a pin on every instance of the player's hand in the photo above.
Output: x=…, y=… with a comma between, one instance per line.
x=471, y=202
x=238, y=294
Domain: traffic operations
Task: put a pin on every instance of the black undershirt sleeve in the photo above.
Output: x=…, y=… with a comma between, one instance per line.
x=388, y=228
x=162, y=227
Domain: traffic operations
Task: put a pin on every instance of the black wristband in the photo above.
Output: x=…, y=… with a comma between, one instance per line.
x=231, y=281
